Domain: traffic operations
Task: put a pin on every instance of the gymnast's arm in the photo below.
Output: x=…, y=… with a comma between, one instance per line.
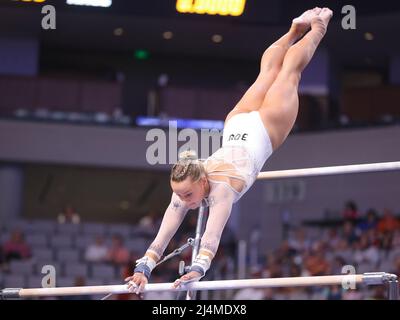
x=221, y=200
x=172, y=219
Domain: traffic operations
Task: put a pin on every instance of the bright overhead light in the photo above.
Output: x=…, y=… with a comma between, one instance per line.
x=92, y=3
x=368, y=36
x=118, y=32
x=217, y=38
x=168, y=35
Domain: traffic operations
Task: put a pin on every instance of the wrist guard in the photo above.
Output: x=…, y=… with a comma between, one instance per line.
x=145, y=265
x=201, y=264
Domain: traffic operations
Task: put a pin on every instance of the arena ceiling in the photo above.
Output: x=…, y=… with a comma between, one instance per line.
x=143, y=23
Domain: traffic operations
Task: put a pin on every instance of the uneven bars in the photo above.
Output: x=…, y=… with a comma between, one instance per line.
x=318, y=171
x=367, y=278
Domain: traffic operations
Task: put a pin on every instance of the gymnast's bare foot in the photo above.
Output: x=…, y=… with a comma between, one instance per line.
x=326, y=15
x=320, y=22
x=302, y=23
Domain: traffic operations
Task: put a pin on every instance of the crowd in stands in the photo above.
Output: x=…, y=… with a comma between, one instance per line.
x=68, y=215
x=367, y=241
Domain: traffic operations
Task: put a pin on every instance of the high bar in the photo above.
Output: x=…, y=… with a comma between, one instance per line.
x=319, y=171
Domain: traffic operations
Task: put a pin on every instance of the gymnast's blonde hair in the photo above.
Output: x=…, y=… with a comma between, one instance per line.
x=187, y=166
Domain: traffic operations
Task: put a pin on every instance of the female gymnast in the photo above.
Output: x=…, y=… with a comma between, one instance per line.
x=256, y=127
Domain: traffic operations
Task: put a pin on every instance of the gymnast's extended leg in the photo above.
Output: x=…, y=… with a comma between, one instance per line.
x=280, y=106
x=271, y=64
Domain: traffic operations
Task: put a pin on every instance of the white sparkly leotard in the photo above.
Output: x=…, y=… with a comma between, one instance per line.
x=245, y=148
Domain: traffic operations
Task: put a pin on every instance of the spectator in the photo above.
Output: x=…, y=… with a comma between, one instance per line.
x=299, y=243
x=97, y=251
x=69, y=215
x=386, y=241
x=349, y=233
x=16, y=247
x=350, y=211
x=315, y=262
x=369, y=222
x=118, y=254
x=365, y=252
x=372, y=235
x=388, y=223
x=332, y=238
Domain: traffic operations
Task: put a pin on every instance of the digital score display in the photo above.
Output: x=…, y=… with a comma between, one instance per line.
x=211, y=7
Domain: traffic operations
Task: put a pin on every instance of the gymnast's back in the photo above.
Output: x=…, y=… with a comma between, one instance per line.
x=232, y=166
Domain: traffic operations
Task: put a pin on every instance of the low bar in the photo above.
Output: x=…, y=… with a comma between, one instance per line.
x=369, y=279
